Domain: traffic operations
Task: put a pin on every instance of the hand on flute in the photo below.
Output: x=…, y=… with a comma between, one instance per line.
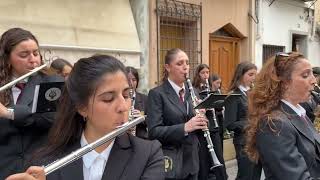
x=33, y=173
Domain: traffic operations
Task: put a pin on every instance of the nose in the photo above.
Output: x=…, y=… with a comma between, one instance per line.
x=34, y=60
x=123, y=105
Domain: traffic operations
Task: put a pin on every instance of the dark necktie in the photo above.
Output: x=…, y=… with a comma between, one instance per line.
x=181, y=95
x=20, y=86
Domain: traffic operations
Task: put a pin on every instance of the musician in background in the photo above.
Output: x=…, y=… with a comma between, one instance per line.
x=139, y=100
x=200, y=79
x=215, y=81
x=61, y=67
x=171, y=119
x=94, y=103
x=21, y=131
x=316, y=73
x=236, y=119
x=280, y=134
x=201, y=73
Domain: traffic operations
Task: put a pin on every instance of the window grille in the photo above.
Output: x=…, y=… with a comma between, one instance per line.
x=270, y=50
x=178, y=26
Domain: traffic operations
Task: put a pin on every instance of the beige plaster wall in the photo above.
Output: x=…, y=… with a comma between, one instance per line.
x=216, y=14
x=90, y=24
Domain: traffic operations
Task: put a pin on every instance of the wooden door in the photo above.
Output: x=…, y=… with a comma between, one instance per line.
x=223, y=58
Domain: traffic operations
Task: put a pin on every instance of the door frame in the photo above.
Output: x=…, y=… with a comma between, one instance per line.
x=235, y=54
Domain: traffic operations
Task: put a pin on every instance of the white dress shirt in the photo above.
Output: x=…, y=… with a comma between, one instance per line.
x=244, y=89
x=16, y=91
x=93, y=162
x=176, y=87
x=298, y=109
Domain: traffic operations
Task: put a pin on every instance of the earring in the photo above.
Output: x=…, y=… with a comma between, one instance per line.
x=84, y=119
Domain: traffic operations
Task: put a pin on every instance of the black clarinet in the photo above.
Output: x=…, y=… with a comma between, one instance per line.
x=206, y=132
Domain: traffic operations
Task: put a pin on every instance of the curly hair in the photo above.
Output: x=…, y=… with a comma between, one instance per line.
x=8, y=41
x=268, y=90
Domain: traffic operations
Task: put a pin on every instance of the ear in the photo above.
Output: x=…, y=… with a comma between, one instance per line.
x=167, y=67
x=83, y=111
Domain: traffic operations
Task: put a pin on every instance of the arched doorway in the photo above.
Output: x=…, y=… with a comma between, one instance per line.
x=224, y=49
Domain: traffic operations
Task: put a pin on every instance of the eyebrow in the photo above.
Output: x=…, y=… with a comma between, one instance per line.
x=112, y=92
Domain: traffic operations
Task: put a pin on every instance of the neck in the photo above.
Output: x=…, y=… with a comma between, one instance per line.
x=91, y=137
x=178, y=83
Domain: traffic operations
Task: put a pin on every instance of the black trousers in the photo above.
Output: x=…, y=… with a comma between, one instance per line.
x=205, y=160
x=247, y=170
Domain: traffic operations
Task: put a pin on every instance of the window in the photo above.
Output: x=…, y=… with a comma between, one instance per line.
x=179, y=26
x=270, y=50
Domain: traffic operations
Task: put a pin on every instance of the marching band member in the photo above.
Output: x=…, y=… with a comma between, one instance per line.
x=62, y=67
x=280, y=134
x=94, y=103
x=236, y=119
x=21, y=131
x=139, y=101
x=201, y=77
x=171, y=119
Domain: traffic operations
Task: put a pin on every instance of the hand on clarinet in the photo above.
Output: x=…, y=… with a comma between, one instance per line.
x=4, y=113
x=33, y=173
x=195, y=123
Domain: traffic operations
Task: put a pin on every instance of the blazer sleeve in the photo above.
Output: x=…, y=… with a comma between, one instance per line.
x=24, y=118
x=155, y=166
x=231, y=118
x=279, y=153
x=155, y=121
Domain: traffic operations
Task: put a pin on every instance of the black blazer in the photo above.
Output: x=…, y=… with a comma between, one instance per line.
x=19, y=137
x=131, y=158
x=310, y=107
x=235, y=115
x=166, y=119
x=141, y=105
x=290, y=150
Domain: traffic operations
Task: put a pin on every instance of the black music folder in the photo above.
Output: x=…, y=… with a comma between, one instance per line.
x=215, y=101
x=46, y=96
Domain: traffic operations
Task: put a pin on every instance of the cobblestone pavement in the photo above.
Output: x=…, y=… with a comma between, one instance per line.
x=232, y=170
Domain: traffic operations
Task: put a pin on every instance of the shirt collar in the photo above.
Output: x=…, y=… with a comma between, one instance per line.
x=176, y=87
x=244, y=89
x=89, y=158
x=297, y=109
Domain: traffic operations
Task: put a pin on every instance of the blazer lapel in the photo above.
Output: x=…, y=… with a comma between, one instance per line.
x=73, y=170
x=28, y=91
x=299, y=123
x=118, y=158
x=173, y=97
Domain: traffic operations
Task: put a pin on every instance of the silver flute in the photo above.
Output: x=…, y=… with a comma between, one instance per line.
x=12, y=83
x=89, y=147
x=206, y=132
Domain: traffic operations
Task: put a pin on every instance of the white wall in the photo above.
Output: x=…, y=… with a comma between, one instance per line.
x=278, y=22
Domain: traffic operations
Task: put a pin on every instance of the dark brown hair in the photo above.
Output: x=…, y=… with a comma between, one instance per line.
x=134, y=72
x=82, y=83
x=59, y=64
x=196, y=78
x=241, y=69
x=8, y=41
x=171, y=54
